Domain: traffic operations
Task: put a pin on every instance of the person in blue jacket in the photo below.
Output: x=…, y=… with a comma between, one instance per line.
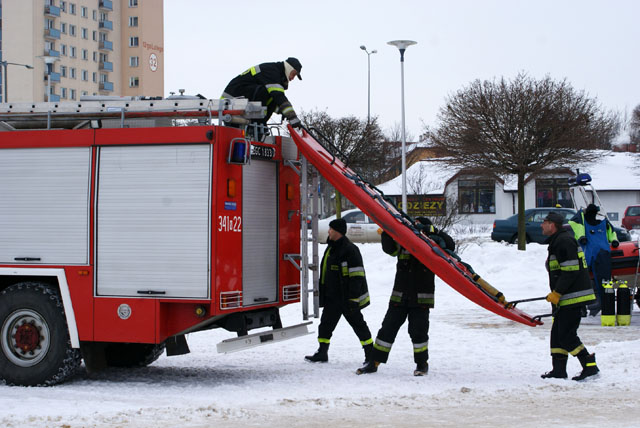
x=596, y=237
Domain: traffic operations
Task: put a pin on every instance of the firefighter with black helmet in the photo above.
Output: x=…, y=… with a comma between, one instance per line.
x=343, y=291
x=267, y=83
x=570, y=292
x=412, y=298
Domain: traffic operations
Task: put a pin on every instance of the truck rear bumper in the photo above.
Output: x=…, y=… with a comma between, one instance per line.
x=263, y=338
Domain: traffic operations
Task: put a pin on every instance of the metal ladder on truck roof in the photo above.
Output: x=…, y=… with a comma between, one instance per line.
x=121, y=112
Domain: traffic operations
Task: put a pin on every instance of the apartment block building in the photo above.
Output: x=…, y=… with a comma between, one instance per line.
x=80, y=47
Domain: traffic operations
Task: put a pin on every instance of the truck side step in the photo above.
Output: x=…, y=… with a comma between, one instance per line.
x=263, y=338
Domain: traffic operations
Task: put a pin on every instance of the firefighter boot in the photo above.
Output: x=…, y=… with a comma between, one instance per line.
x=559, y=370
x=368, y=351
x=421, y=369
x=321, y=354
x=370, y=366
x=589, y=367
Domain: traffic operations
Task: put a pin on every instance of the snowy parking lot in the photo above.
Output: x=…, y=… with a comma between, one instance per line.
x=484, y=371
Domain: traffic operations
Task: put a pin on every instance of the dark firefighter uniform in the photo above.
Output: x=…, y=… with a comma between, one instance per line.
x=412, y=298
x=571, y=287
x=343, y=291
x=266, y=83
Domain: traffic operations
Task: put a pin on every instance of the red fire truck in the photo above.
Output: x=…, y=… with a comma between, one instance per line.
x=126, y=224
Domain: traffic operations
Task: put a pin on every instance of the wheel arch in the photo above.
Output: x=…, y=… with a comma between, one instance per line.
x=53, y=277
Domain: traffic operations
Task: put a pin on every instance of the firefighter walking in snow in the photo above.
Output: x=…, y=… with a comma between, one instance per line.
x=266, y=83
x=343, y=291
x=412, y=298
x=570, y=292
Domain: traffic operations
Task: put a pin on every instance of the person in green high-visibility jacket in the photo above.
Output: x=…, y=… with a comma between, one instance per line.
x=343, y=291
x=412, y=298
x=570, y=292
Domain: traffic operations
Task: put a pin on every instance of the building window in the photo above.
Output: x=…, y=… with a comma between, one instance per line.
x=50, y=46
x=72, y=51
x=63, y=49
x=63, y=93
x=72, y=30
x=84, y=75
x=103, y=77
x=95, y=15
x=63, y=70
x=476, y=197
x=85, y=54
x=134, y=61
x=63, y=6
x=85, y=93
x=134, y=82
x=552, y=192
x=94, y=77
x=72, y=8
x=63, y=27
x=133, y=21
x=102, y=36
x=85, y=33
x=48, y=24
x=95, y=36
x=95, y=56
x=84, y=12
x=72, y=72
x=72, y=94
x=133, y=3
x=133, y=42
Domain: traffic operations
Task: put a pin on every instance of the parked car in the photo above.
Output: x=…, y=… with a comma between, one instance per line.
x=360, y=228
x=507, y=229
x=631, y=219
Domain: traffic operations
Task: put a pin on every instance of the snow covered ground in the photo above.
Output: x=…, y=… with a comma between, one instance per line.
x=484, y=371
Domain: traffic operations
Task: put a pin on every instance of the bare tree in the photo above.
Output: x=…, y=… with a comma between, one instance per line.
x=360, y=140
x=521, y=127
x=634, y=125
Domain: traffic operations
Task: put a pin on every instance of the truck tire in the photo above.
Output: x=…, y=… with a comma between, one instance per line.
x=132, y=354
x=35, y=348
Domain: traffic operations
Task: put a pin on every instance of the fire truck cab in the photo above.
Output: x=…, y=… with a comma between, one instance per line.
x=125, y=224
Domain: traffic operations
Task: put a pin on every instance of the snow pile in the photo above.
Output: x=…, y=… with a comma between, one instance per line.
x=484, y=371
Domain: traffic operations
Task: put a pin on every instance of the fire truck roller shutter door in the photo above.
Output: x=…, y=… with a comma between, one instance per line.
x=44, y=205
x=260, y=232
x=153, y=220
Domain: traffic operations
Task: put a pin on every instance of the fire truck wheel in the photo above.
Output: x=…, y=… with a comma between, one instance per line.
x=35, y=348
x=132, y=354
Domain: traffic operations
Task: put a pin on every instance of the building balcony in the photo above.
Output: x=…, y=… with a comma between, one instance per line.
x=105, y=25
x=106, y=86
x=51, y=52
x=106, y=5
x=50, y=10
x=105, y=45
x=106, y=66
x=51, y=33
x=55, y=77
x=54, y=98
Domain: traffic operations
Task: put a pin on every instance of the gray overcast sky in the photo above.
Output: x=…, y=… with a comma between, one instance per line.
x=594, y=44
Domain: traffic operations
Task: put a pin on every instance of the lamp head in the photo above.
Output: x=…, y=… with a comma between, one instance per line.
x=401, y=44
x=363, y=47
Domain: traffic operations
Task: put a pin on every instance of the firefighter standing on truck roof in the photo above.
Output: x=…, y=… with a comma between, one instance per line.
x=266, y=83
x=570, y=291
x=596, y=237
x=412, y=298
x=343, y=291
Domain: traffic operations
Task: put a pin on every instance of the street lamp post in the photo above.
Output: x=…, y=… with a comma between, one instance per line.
x=364, y=48
x=402, y=45
x=48, y=61
x=6, y=79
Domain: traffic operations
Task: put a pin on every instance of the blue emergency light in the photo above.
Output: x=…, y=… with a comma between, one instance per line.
x=580, y=180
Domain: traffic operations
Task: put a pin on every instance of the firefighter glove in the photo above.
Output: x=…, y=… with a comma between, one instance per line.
x=554, y=297
x=615, y=243
x=295, y=122
x=583, y=240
